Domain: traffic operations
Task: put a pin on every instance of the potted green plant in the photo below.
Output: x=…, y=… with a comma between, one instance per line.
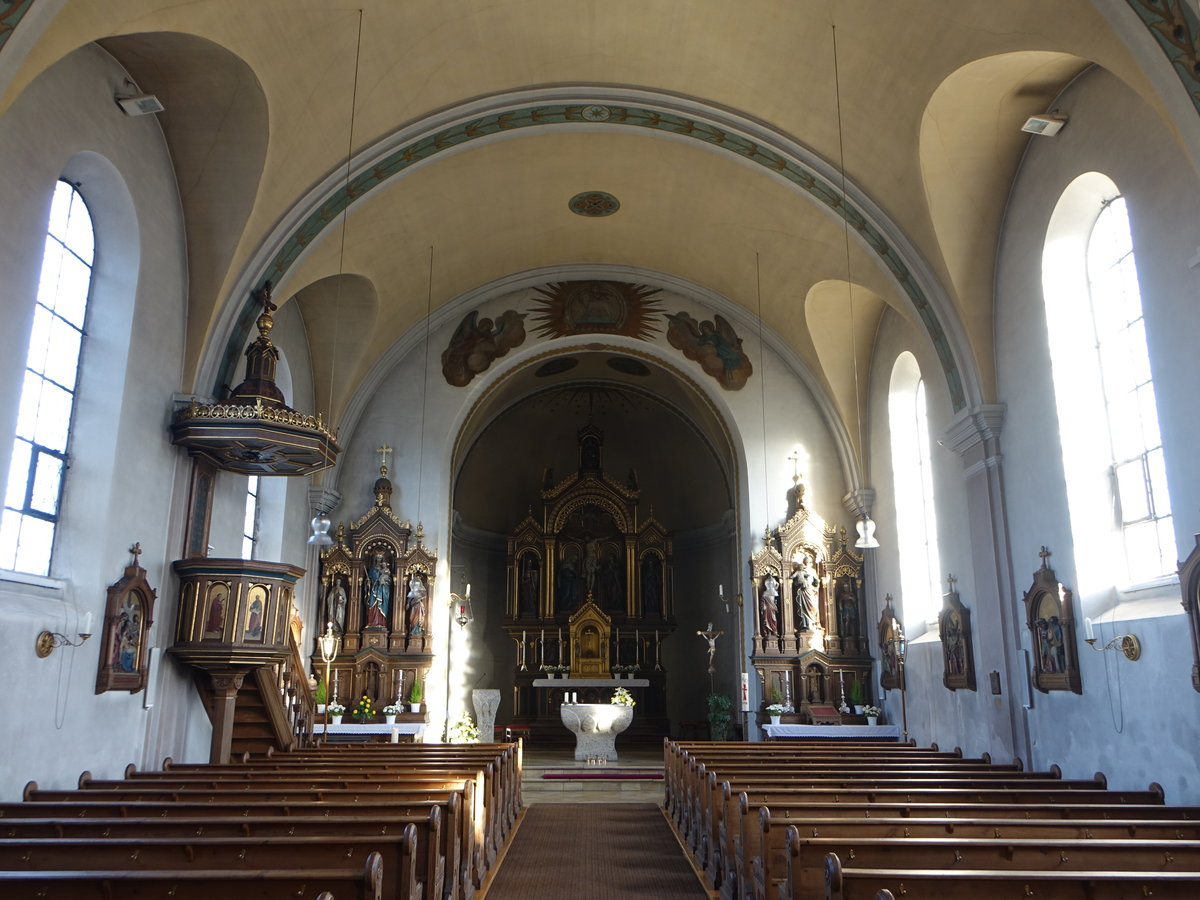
x=320, y=696
x=719, y=716
x=415, y=695
x=858, y=698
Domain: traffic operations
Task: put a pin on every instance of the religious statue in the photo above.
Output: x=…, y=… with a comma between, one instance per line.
x=335, y=603
x=711, y=636
x=651, y=585
x=379, y=591
x=806, y=593
x=565, y=597
x=610, y=595
x=528, y=586
x=767, y=604
x=591, y=564
x=847, y=606
x=415, y=605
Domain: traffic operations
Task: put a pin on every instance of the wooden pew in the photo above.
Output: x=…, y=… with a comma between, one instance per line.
x=429, y=859
x=458, y=850
x=842, y=883
x=397, y=854
x=805, y=874
x=364, y=882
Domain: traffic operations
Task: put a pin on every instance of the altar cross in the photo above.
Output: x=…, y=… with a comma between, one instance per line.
x=383, y=452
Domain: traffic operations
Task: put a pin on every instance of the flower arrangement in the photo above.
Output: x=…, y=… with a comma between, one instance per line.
x=391, y=710
x=363, y=709
x=464, y=731
x=336, y=709
x=622, y=697
x=777, y=709
x=870, y=711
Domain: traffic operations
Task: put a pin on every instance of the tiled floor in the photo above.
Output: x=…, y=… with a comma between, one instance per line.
x=536, y=789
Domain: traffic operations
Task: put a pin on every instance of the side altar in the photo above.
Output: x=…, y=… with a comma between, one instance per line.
x=375, y=582
x=589, y=598
x=809, y=644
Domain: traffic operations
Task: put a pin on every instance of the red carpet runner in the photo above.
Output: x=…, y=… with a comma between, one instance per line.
x=595, y=851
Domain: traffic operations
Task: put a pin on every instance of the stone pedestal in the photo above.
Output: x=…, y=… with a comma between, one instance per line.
x=595, y=726
x=486, y=702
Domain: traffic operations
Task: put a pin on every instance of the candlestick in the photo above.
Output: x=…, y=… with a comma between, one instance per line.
x=637, y=647
x=617, y=661
x=657, y=652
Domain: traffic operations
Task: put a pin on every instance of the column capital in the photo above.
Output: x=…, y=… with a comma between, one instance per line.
x=860, y=502
x=974, y=427
x=323, y=499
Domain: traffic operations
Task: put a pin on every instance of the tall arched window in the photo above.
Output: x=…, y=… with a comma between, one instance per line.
x=912, y=474
x=1108, y=416
x=39, y=453
x=1139, y=472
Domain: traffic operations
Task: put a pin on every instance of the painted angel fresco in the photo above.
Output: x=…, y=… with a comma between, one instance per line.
x=715, y=345
x=477, y=342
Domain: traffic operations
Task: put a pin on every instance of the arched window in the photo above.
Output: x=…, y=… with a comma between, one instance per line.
x=1139, y=473
x=1108, y=416
x=912, y=474
x=250, y=522
x=39, y=453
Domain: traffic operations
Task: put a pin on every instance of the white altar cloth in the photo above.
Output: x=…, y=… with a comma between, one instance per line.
x=417, y=728
x=613, y=683
x=833, y=732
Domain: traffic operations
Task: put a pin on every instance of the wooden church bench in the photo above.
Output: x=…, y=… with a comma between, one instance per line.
x=844, y=883
x=345, y=883
x=401, y=855
x=804, y=875
x=429, y=855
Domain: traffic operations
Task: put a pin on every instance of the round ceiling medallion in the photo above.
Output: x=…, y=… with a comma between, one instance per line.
x=627, y=366
x=594, y=204
x=556, y=366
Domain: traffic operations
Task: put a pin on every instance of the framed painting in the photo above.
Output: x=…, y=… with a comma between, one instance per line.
x=1050, y=616
x=958, y=652
x=128, y=615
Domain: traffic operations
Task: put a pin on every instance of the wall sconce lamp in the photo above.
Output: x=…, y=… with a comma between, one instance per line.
x=463, y=614
x=1128, y=644
x=48, y=640
x=138, y=103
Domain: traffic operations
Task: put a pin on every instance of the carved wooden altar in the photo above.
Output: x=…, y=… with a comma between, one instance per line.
x=589, y=591
x=809, y=643
x=376, y=582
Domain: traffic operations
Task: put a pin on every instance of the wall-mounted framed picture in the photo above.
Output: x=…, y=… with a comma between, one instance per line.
x=1050, y=615
x=124, y=639
x=958, y=651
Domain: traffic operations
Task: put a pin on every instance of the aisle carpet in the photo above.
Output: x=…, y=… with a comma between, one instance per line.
x=595, y=851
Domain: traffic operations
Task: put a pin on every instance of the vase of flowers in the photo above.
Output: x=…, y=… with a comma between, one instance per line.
x=363, y=710
x=872, y=714
x=464, y=731
x=775, y=710
x=336, y=711
x=622, y=697
x=390, y=712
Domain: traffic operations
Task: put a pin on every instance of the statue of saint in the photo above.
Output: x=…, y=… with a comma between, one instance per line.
x=806, y=594
x=415, y=605
x=335, y=603
x=379, y=592
x=767, y=605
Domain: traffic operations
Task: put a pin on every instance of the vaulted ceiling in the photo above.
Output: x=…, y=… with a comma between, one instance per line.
x=723, y=130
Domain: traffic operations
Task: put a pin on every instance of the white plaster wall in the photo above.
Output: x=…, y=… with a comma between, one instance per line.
x=124, y=475
x=1137, y=722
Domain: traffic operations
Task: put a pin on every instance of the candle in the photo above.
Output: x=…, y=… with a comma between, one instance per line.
x=87, y=623
x=721, y=591
x=1087, y=627
x=395, y=735
x=468, y=590
x=522, y=638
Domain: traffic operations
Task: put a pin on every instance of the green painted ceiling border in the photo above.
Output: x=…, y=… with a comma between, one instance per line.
x=597, y=115
x=11, y=14
x=1177, y=30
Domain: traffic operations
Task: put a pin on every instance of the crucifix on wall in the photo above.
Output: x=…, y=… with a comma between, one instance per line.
x=711, y=636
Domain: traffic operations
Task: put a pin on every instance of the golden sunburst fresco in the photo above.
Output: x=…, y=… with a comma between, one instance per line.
x=597, y=307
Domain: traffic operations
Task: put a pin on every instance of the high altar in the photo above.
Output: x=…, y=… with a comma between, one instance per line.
x=589, y=597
